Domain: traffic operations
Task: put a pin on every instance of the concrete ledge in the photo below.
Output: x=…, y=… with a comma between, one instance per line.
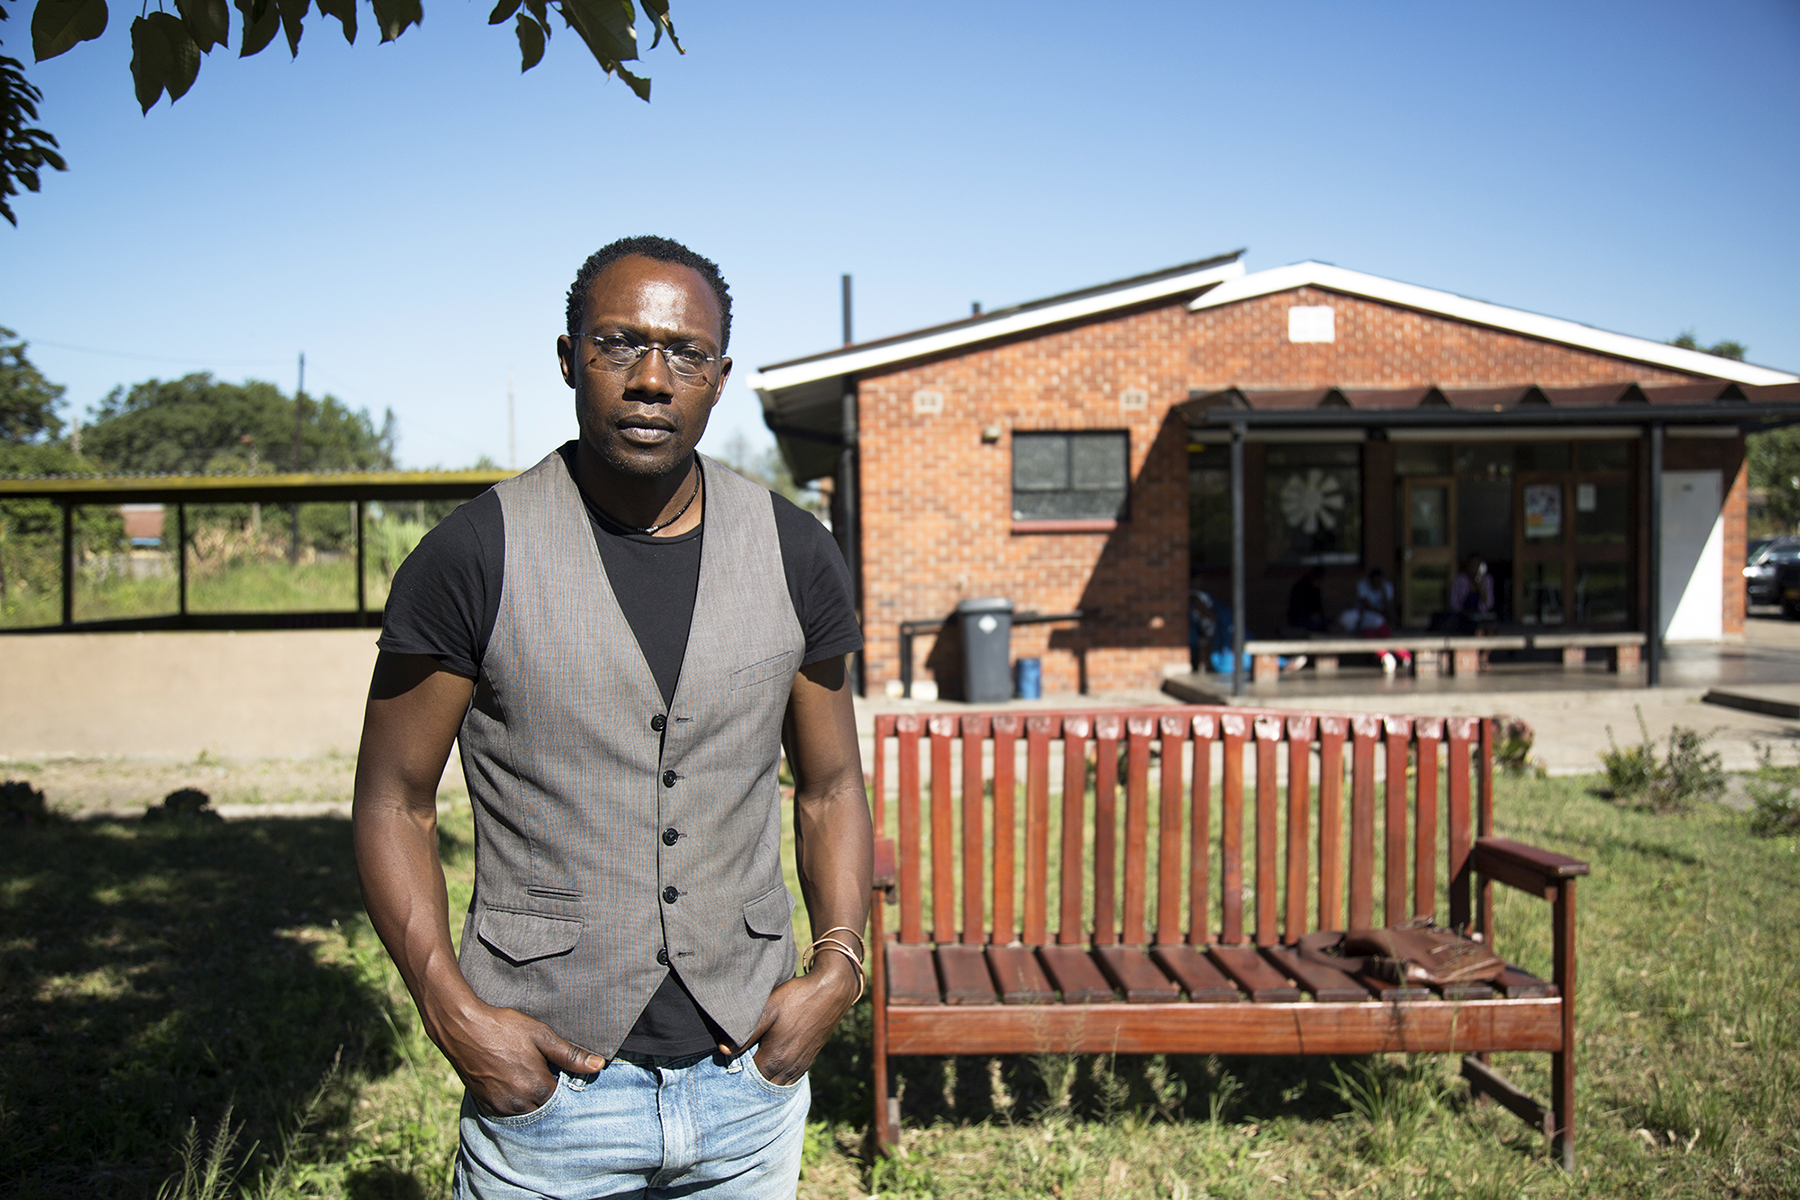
x=1560, y=641
x=1776, y=701
x=1189, y=689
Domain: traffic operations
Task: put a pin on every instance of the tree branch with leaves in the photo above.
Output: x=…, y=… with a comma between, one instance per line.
x=167, y=49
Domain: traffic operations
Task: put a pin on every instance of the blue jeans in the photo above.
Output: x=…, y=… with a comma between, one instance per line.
x=652, y=1128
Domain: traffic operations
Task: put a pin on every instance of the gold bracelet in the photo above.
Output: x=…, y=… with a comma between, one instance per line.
x=829, y=943
x=863, y=949
x=812, y=953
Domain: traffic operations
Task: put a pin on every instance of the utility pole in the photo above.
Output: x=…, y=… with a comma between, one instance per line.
x=512, y=430
x=847, y=338
x=299, y=420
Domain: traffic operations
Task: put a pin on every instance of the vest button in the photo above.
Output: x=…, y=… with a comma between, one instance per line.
x=662, y=957
x=671, y=836
x=669, y=778
x=669, y=894
x=659, y=722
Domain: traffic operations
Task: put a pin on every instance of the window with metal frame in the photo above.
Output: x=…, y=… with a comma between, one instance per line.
x=1071, y=476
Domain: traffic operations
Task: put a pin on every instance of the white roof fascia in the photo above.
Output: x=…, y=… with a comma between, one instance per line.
x=933, y=343
x=1553, y=329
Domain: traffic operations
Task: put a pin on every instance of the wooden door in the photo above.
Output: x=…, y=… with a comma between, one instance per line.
x=1428, y=547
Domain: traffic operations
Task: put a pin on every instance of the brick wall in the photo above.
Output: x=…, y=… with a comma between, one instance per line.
x=937, y=499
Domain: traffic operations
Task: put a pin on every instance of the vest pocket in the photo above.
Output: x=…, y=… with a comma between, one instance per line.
x=781, y=666
x=521, y=937
x=771, y=914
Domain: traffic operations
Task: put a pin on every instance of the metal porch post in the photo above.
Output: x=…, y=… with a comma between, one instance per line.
x=1237, y=558
x=849, y=540
x=1653, y=607
x=181, y=574
x=362, y=598
x=68, y=562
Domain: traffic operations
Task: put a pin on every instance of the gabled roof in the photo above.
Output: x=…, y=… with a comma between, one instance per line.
x=1479, y=312
x=1002, y=322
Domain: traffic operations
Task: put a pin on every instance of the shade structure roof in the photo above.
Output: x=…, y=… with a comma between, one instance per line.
x=1714, y=402
x=295, y=488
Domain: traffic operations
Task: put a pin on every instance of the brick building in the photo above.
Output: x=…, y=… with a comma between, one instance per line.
x=1075, y=453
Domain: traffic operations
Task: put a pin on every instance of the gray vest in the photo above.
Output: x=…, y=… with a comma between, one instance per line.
x=606, y=829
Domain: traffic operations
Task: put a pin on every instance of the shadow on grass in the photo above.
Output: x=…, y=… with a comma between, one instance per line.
x=150, y=975
x=964, y=1090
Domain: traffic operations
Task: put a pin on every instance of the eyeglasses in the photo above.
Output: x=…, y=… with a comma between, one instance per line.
x=683, y=358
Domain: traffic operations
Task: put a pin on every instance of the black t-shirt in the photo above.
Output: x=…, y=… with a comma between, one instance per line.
x=446, y=597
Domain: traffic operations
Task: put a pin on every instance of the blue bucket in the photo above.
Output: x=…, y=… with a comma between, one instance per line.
x=1030, y=672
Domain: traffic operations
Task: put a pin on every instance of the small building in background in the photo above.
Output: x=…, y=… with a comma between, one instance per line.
x=143, y=525
x=1076, y=453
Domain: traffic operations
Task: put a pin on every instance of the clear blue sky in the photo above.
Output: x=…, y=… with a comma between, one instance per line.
x=410, y=215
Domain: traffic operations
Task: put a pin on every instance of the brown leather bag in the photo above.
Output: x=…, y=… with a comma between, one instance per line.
x=1416, y=952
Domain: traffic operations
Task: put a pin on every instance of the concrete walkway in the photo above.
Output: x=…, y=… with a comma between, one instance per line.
x=267, y=723
x=1571, y=713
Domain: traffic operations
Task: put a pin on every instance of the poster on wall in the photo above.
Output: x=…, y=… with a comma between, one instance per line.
x=1543, y=510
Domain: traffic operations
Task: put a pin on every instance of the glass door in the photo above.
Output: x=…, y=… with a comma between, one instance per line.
x=1428, y=547
x=1541, y=551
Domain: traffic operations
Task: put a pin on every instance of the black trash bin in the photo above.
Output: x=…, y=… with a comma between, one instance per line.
x=987, y=649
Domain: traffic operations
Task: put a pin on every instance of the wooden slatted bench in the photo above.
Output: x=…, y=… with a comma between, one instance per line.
x=1141, y=941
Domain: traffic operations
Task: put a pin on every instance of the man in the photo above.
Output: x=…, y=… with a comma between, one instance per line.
x=1306, y=602
x=1373, y=616
x=1472, y=595
x=621, y=640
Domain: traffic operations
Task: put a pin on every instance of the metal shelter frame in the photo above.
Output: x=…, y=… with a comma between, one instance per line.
x=357, y=487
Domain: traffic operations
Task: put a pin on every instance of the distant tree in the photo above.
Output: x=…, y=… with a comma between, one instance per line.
x=27, y=400
x=167, y=47
x=1775, y=468
x=1726, y=349
x=198, y=424
x=1774, y=456
x=31, y=530
x=767, y=467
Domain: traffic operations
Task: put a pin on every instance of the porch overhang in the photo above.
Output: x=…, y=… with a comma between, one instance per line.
x=1635, y=411
x=1748, y=407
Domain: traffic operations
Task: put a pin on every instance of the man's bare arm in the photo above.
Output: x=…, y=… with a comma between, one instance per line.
x=415, y=708
x=833, y=841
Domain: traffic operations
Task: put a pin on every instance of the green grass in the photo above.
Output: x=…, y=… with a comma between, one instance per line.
x=242, y=586
x=157, y=981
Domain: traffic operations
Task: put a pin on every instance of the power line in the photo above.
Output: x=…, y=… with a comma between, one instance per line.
x=126, y=354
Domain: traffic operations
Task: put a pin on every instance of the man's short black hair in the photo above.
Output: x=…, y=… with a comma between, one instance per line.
x=661, y=249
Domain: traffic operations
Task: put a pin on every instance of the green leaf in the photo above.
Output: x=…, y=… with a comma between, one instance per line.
x=606, y=26
x=151, y=61
x=262, y=21
x=531, y=43
x=503, y=11
x=292, y=13
x=58, y=25
x=345, y=12
x=658, y=12
x=184, y=54
x=208, y=22
x=393, y=16
x=637, y=83
x=541, y=10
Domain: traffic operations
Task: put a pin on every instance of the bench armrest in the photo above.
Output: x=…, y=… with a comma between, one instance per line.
x=886, y=870
x=1525, y=867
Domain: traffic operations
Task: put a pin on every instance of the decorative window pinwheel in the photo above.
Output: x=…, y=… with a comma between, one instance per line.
x=1311, y=501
